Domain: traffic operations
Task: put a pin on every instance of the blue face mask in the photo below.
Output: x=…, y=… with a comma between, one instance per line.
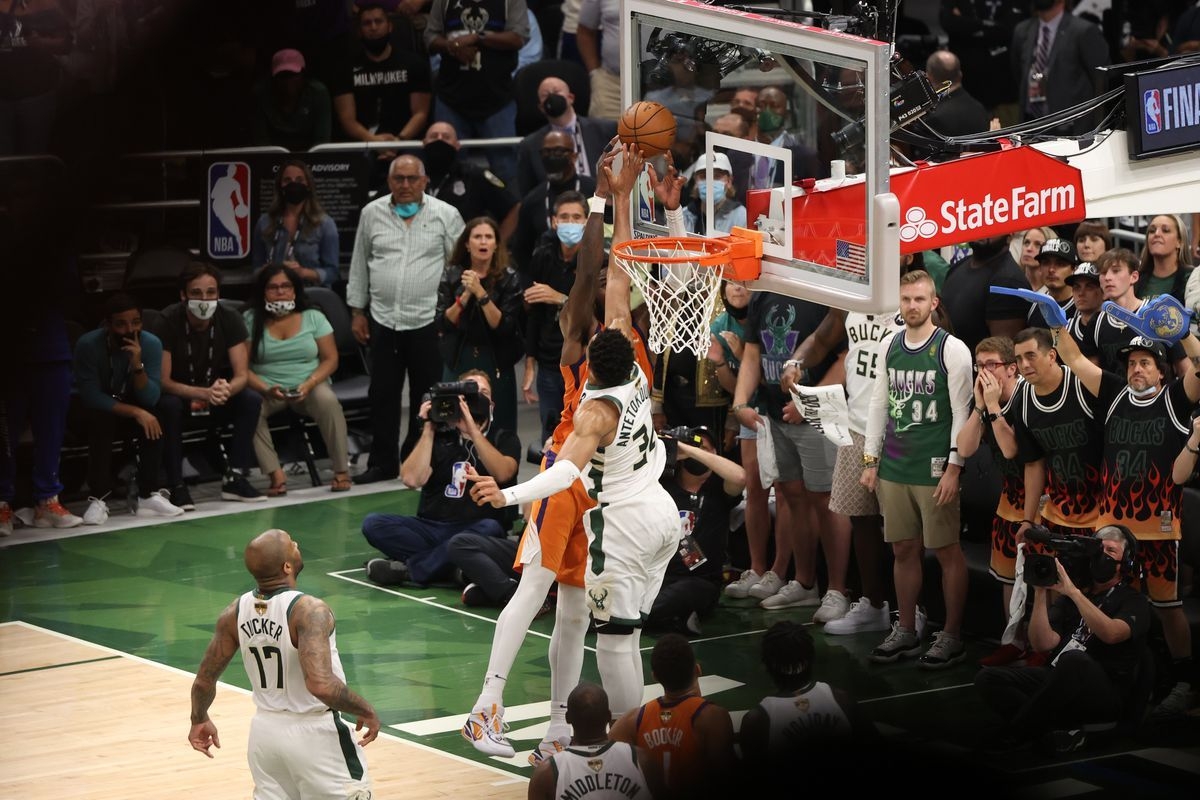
x=716, y=187
x=406, y=210
x=570, y=233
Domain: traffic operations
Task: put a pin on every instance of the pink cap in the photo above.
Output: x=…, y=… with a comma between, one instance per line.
x=287, y=61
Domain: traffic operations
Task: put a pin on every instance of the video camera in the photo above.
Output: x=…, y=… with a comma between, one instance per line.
x=671, y=439
x=444, y=409
x=1075, y=553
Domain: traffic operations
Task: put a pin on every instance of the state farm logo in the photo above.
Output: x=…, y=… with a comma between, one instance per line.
x=1020, y=206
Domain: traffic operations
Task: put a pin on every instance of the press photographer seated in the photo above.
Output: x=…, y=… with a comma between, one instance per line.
x=1095, y=632
x=457, y=434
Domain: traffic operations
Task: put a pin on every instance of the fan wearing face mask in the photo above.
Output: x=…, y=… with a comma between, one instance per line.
x=295, y=230
x=718, y=184
x=474, y=190
x=560, y=161
x=556, y=102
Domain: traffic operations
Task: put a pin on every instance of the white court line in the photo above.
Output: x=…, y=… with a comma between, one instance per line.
x=509, y=776
x=717, y=638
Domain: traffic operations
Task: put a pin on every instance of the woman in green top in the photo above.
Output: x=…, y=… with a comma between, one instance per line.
x=292, y=355
x=1166, y=261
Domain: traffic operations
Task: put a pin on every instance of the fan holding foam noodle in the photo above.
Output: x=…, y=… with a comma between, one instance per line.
x=1051, y=310
x=1162, y=318
x=648, y=125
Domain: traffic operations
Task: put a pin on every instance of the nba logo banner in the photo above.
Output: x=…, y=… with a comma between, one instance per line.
x=228, y=210
x=1153, y=106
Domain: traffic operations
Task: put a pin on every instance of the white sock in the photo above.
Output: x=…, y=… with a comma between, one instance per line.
x=566, y=655
x=511, y=627
x=620, y=664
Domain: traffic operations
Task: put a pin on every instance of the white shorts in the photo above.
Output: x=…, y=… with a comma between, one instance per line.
x=306, y=756
x=629, y=546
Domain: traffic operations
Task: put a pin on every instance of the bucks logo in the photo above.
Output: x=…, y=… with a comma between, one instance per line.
x=598, y=597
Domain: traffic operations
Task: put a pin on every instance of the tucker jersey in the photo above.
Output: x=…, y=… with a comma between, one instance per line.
x=607, y=771
x=272, y=662
x=667, y=731
x=916, y=440
x=574, y=380
x=864, y=332
x=1142, y=438
x=1061, y=428
x=810, y=716
x=634, y=459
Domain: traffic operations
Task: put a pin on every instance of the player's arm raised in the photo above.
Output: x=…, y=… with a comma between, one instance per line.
x=221, y=648
x=312, y=625
x=616, y=293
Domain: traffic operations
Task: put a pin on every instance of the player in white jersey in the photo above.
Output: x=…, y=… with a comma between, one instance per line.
x=634, y=528
x=593, y=766
x=289, y=650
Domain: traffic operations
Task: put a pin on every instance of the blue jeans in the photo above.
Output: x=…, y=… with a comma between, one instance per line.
x=550, y=388
x=38, y=394
x=421, y=543
x=503, y=123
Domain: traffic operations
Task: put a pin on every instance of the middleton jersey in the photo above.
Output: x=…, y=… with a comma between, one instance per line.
x=607, y=771
x=1012, y=472
x=811, y=716
x=916, y=440
x=667, y=731
x=272, y=662
x=1061, y=428
x=1142, y=438
x=864, y=332
x=634, y=459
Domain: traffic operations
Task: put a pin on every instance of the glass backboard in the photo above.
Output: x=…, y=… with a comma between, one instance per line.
x=793, y=121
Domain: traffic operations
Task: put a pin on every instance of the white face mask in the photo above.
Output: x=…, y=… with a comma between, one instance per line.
x=279, y=308
x=202, y=309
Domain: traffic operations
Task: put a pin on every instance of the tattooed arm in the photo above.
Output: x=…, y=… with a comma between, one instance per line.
x=312, y=624
x=224, y=644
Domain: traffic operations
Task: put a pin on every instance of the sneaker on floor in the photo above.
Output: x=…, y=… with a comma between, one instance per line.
x=692, y=624
x=6, y=519
x=158, y=504
x=861, y=618
x=181, y=497
x=386, y=572
x=768, y=585
x=52, y=514
x=1062, y=742
x=900, y=643
x=791, y=595
x=239, y=489
x=1177, y=702
x=1003, y=655
x=834, y=605
x=740, y=589
x=546, y=749
x=472, y=595
x=484, y=729
x=97, y=512
x=945, y=651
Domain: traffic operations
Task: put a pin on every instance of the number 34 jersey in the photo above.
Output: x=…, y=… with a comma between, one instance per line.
x=272, y=662
x=633, y=461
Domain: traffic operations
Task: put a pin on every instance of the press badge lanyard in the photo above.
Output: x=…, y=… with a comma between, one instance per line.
x=113, y=369
x=187, y=338
x=1083, y=632
x=291, y=242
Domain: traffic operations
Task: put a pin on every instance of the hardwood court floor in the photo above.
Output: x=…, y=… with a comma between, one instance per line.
x=94, y=680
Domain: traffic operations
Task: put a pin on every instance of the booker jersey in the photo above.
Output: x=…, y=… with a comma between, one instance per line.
x=864, y=332
x=667, y=730
x=634, y=460
x=607, y=771
x=1061, y=428
x=272, y=662
x=808, y=717
x=916, y=440
x=575, y=379
x=1142, y=438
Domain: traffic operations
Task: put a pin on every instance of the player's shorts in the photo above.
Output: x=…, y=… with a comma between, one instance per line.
x=554, y=535
x=847, y=496
x=909, y=512
x=306, y=755
x=1159, y=560
x=630, y=544
x=1003, y=564
x=803, y=453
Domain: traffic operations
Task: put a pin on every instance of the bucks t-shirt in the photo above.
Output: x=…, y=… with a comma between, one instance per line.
x=200, y=357
x=779, y=324
x=383, y=90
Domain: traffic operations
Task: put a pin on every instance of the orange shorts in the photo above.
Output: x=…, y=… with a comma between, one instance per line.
x=555, y=537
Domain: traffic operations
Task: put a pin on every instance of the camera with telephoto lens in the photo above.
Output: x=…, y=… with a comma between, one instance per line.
x=444, y=409
x=671, y=437
x=1074, y=552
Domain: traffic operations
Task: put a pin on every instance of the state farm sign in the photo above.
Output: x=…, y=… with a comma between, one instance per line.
x=1022, y=207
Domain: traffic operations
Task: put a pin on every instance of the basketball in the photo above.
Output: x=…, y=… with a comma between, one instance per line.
x=241, y=211
x=649, y=125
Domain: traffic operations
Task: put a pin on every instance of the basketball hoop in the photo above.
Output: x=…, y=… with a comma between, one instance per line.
x=680, y=278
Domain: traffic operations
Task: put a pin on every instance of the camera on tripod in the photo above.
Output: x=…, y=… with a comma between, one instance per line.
x=444, y=409
x=1075, y=553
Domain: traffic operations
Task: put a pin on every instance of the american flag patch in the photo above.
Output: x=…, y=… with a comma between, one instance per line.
x=851, y=257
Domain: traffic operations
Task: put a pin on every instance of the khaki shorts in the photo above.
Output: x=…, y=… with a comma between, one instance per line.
x=909, y=512
x=848, y=496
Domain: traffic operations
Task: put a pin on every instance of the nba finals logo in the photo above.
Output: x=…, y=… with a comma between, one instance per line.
x=229, y=209
x=1153, y=108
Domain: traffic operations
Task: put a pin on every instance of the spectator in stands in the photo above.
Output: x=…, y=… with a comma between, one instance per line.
x=535, y=217
x=568, y=47
x=727, y=211
x=1058, y=261
x=1087, y=294
x=385, y=96
x=591, y=135
x=1166, y=264
x=33, y=37
x=957, y=113
x=744, y=103
x=474, y=190
x=478, y=43
x=403, y=243
x=292, y=356
x=599, y=40
x=980, y=31
x=550, y=276
x=706, y=487
x=205, y=370
x=1186, y=33
x=689, y=89
x=774, y=115
x=479, y=315
x=531, y=52
x=292, y=110
x=118, y=372
x=295, y=231
x=1091, y=240
x=416, y=547
x=1054, y=59
x=1030, y=243
x=975, y=313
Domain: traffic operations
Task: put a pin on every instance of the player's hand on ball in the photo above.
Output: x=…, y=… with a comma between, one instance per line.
x=203, y=736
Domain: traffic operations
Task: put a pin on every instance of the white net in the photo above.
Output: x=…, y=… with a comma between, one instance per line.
x=679, y=279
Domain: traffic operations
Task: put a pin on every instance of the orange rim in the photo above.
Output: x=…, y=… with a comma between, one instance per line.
x=705, y=252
